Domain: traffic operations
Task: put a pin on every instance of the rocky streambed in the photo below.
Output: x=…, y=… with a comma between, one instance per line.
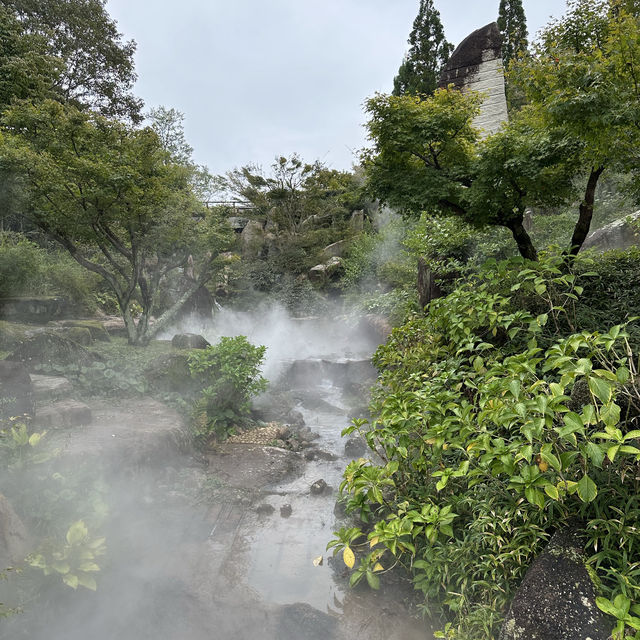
x=220, y=545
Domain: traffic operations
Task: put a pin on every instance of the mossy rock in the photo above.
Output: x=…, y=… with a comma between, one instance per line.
x=170, y=372
x=51, y=348
x=81, y=335
x=13, y=334
x=95, y=328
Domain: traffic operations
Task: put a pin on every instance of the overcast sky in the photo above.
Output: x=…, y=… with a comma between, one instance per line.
x=260, y=78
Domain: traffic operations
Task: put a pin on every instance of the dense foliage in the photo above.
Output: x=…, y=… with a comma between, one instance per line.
x=229, y=375
x=494, y=426
x=579, y=122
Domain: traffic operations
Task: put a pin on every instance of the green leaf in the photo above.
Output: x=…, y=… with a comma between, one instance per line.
x=373, y=580
x=71, y=580
x=77, y=532
x=622, y=375
x=534, y=496
x=587, y=489
x=595, y=454
x=601, y=389
x=552, y=491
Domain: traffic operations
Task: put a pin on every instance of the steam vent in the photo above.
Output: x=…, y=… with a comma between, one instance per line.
x=476, y=64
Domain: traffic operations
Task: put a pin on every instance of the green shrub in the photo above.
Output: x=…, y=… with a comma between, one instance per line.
x=229, y=375
x=486, y=448
x=22, y=266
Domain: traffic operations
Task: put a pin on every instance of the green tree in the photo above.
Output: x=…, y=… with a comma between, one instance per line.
x=512, y=23
x=98, y=69
x=27, y=71
x=297, y=195
x=581, y=119
x=169, y=126
x=428, y=52
x=107, y=194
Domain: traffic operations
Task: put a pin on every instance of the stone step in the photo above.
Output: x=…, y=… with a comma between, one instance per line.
x=66, y=413
x=48, y=386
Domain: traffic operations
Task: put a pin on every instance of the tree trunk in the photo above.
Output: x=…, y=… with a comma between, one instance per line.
x=586, y=213
x=428, y=290
x=522, y=238
x=168, y=316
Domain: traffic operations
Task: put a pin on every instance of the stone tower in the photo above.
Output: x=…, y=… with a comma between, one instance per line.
x=476, y=64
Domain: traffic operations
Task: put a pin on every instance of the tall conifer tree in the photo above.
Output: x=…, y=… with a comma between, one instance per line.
x=428, y=53
x=512, y=23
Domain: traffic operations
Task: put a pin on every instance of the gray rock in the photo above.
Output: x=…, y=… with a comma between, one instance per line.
x=252, y=238
x=476, y=65
x=318, y=487
x=355, y=447
x=16, y=391
x=556, y=600
x=265, y=509
x=50, y=386
x=189, y=341
x=335, y=250
x=285, y=510
x=620, y=234
x=66, y=413
x=39, y=309
x=357, y=220
x=14, y=540
x=237, y=223
x=301, y=620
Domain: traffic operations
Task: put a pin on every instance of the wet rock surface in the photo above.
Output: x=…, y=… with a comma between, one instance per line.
x=16, y=390
x=556, y=600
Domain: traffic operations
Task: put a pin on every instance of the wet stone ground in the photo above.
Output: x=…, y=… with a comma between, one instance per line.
x=220, y=546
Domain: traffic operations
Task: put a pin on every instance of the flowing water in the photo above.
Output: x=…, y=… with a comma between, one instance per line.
x=227, y=551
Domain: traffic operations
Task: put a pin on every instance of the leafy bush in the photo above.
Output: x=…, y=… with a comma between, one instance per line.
x=229, y=375
x=489, y=442
x=28, y=269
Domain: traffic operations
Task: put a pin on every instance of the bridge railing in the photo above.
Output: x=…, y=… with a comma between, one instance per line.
x=237, y=205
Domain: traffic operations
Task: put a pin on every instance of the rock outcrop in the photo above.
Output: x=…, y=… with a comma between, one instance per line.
x=556, y=600
x=476, y=65
x=620, y=234
x=16, y=392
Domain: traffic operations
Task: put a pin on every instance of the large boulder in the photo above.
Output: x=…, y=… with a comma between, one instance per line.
x=557, y=599
x=16, y=392
x=40, y=309
x=476, y=65
x=620, y=234
x=252, y=239
x=189, y=341
x=51, y=348
x=65, y=413
x=335, y=250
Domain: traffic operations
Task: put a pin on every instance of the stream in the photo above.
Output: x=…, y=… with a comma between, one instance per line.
x=225, y=547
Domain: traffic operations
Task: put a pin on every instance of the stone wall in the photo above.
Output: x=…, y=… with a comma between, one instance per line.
x=476, y=65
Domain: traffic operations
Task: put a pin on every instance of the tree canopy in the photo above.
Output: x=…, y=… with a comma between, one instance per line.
x=97, y=69
x=581, y=119
x=428, y=52
x=111, y=196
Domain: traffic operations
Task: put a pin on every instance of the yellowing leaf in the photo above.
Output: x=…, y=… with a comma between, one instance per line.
x=348, y=557
x=374, y=541
x=317, y=561
x=378, y=567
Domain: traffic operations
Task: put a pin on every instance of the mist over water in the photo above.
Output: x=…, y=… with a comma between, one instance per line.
x=195, y=553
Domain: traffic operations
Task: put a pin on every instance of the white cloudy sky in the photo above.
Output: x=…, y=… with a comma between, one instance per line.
x=260, y=78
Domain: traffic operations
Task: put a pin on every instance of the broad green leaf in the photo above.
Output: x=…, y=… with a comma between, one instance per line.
x=534, y=496
x=552, y=491
x=77, y=532
x=587, y=489
x=373, y=580
x=612, y=452
x=595, y=453
x=87, y=581
x=71, y=580
x=601, y=389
